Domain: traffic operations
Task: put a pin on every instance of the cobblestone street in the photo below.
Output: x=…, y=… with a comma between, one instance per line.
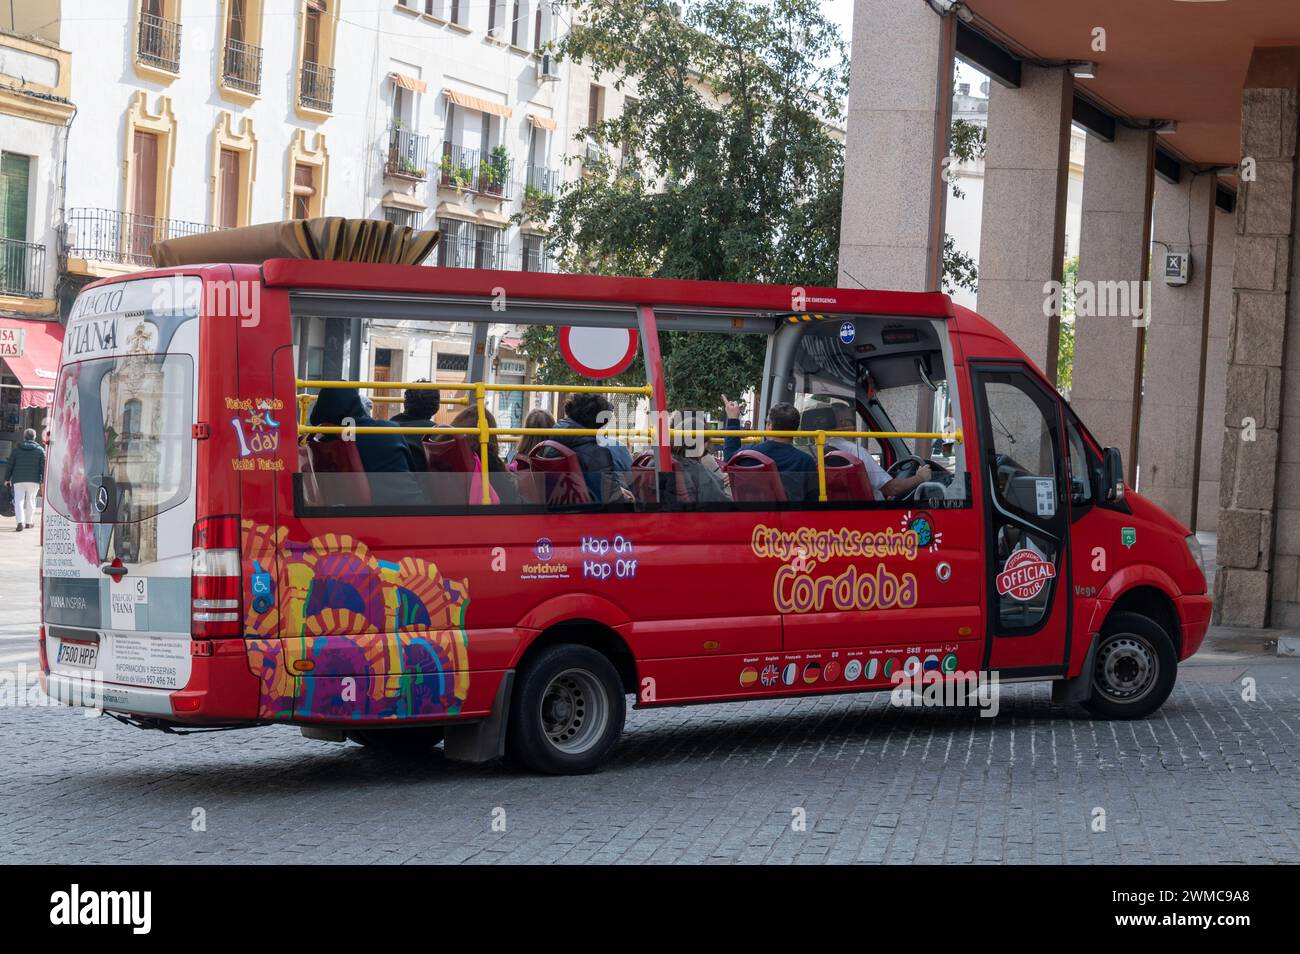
x=1210, y=778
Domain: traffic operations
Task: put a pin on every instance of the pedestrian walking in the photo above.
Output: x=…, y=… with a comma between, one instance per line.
x=23, y=476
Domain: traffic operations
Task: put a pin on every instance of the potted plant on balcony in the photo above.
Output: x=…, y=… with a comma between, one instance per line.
x=455, y=175
x=494, y=170
x=535, y=211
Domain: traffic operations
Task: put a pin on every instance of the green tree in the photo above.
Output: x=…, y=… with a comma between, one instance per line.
x=967, y=142
x=1065, y=339
x=729, y=169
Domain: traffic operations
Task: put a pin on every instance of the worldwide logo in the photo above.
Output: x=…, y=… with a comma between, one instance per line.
x=542, y=549
x=923, y=525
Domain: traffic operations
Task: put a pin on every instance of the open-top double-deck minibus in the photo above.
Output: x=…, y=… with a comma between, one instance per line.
x=216, y=555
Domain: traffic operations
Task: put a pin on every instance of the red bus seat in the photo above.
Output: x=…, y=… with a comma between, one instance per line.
x=846, y=478
x=330, y=455
x=311, y=494
x=754, y=477
x=530, y=490
x=453, y=458
x=644, y=481
x=644, y=477
x=558, y=475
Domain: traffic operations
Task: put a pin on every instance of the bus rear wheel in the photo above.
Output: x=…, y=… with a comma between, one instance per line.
x=411, y=740
x=1134, y=668
x=568, y=711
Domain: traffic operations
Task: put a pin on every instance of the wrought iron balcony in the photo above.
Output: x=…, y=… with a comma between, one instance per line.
x=242, y=67
x=459, y=168
x=469, y=170
x=159, y=43
x=542, y=178
x=22, y=268
x=408, y=154
x=316, y=87
x=494, y=174
x=105, y=235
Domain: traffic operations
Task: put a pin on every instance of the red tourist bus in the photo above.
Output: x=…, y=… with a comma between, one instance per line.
x=212, y=558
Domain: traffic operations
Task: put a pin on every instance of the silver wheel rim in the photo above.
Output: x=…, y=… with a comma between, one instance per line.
x=574, y=711
x=1127, y=667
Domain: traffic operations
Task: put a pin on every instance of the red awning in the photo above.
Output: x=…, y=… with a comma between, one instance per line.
x=31, y=349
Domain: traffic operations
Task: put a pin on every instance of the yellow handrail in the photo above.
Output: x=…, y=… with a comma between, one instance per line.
x=643, y=389
x=485, y=433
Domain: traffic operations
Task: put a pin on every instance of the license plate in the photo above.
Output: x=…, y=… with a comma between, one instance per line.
x=81, y=655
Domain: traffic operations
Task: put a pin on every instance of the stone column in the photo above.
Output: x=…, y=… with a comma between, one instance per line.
x=1026, y=175
x=1171, y=412
x=1216, y=371
x=1114, y=252
x=1259, y=520
x=900, y=108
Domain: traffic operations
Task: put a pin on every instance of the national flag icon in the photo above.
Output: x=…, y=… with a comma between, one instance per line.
x=770, y=675
x=790, y=673
x=831, y=671
x=949, y=663
x=748, y=676
x=931, y=662
x=912, y=665
x=887, y=671
x=812, y=672
x=853, y=669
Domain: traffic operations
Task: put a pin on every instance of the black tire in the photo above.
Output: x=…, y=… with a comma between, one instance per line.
x=1134, y=669
x=567, y=711
x=412, y=740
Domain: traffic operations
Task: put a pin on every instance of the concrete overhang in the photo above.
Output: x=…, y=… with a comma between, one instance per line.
x=1184, y=60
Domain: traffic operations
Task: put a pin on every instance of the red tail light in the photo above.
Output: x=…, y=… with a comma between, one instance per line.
x=216, y=583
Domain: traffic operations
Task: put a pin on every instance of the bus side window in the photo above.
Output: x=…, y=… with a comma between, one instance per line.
x=1077, y=464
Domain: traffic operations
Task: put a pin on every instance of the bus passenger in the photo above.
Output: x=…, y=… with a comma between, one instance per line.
x=886, y=487
x=420, y=405
x=503, y=482
x=798, y=470
x=691, y=458
x=387, y=460
x=538, y=417
x=588, y=412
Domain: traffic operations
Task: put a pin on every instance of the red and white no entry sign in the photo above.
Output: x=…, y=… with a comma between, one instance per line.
x=598, y=352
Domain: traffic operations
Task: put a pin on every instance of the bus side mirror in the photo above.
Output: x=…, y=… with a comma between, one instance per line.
x=1112, y=475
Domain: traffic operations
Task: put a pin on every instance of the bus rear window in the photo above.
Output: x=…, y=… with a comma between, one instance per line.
x=120, y=444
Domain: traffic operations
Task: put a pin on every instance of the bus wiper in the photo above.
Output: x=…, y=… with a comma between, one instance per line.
x=1005, y=431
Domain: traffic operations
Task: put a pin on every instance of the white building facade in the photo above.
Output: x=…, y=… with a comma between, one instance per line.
x=203, y=114
x=35, y=109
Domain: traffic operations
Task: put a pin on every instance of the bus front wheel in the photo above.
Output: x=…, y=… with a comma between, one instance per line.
x=568, y=711
x=1134, y=668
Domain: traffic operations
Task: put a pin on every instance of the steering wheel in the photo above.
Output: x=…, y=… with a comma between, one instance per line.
x=906, y=466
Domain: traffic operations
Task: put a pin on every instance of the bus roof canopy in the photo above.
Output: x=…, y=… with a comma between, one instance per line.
x=332, y=238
